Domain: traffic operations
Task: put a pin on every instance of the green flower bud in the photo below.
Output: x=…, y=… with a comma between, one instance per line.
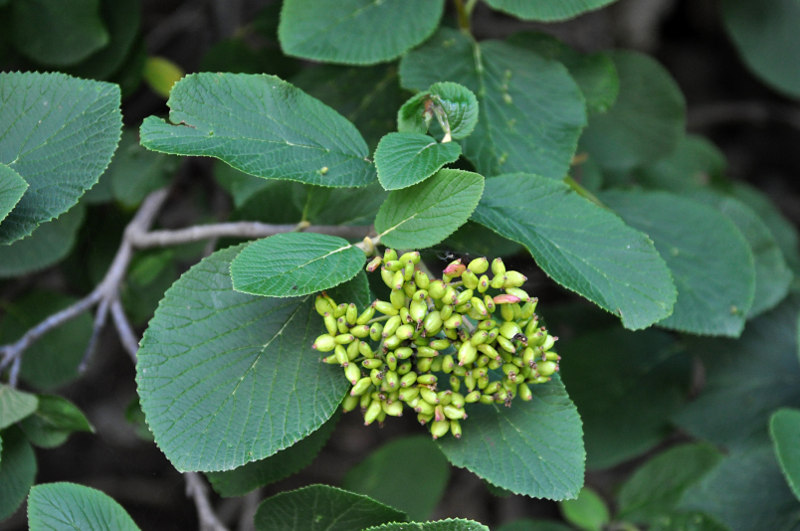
x=479, y=265
x=522, y=294
x=403, y=368
x=374, y=264
x=497, y=282
x=409, y=289
x=453, y=412
x=487, y=399
x=457, y=399
x=352, y=350
x=423, y=418
x=551, y=356
x=529, y=308
x=469, y=279
x=340, y=310
x=448, y=363
x=387, y=276
x=450, y=295
x=489, y=350
x=455, y=428
x=360, y=331
x=364, y=400
x=389, y=254
x=532, y=326
x=439, y=428
x=405, y=331
x=408, y=271
x=436, y=365
x=341, y=355
x=393, y=409
x=386, y=308
x=341, y=325
x=407, y=394
x=424, y=364
x=361, y=386
x=437, y=289
x=524, y=392
x=324, y=343
x=376, y=377
x=467, y=353
x=439, y=344
x=398, y=280
x=514, y=279
x=372, y=412
x=546, y=368
x=511, y=371
x=528, y=357
x=454, y=321
x=403, y=353
x=353, y=373
x=391, y=326
x=349, y=403
x=418, y=309
x=391, y=380
x=373, y=363
x=464, y=297
x=438, y=413
x=489, y=302
x=351, y=313
x=549, y=341
x=330, y=360
x=506, y=345
x=498, y=267
x=509, y=329
x=426, y=352
x=479, y=337
x=469, y=381
x=391, y=361
x=421, y=279
x=472, y=397
x=410, y=256
x=432, y=323
x=479, y=306
x=393, y=265
x=427, y=394
x=426, y=379
x=392, y=342
x=482, y=361
x=323, y=306
x=376, y=331
x=344, y=339
x=423, y=406
x=408, y=380
x=330, y=324
x=507, y=312
x=445, y=312
x=455, y=381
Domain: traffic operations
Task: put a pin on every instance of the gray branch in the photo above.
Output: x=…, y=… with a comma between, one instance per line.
x=198, y=491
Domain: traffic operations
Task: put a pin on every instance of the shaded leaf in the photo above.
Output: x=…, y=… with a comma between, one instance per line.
x=765, y=34
x=12, y=187
x=227, y=378
x=135, y=172
x=615, y=376
x=333, y=31
x=645, y=123
x=453, y=104
x=588, y=511
x=531, y=111
x=17, y=471
x=263, y=126
x=428, y=472
x=58, y=132
x=687, y=521
x=528, y=524
x=68, y=505
x=53, y=421
x=583, y=247
x=656, y=487
x=240, y=481
x=319, y=507
x=295, y=263
x=46, y=246
x=547, y=11
x=694, y=163
x=784, y=429
x=428, y=212
x=717, y=414
x=450, y=524
x=752, y=475
x=715, y=276
x=546, y=431
x=15, y=405
x=404, y=159
x=50, y=34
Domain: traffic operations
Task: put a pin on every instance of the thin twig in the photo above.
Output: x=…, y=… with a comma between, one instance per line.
x=197, y=490
x=704, y=116
x=99, y=324
x=124, y=329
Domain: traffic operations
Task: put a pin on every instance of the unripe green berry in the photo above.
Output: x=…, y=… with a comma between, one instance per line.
x=349, y=403
x=483, y=284
x=506, y=345
x=373, y=363
x=394, y=409
x=421, y=279
x=418, y=309
x=376, y=331
x=360, y=331
x=524, y=392
x=405, y=331
x=546, y=368
x=445, y=312
x=498, y=267
x=509, y=329
x=426, y=379
x=423, y=406
x=453, y=412
x=469, y=279
x=397, y=298
x=371, y=414
x=387, y=276
x=407, y=394
x=361, y=386
x=323, y=306
x=514, y=279
x=454, y=321
x=479, y=265
x=439, y=428
x=424, y=364
x=455, y=428
x=324, y=343
x=385, y=307
x=389, y=254
x=437, y=289
x=353, y=373
x=472, y=397
x=522, y=294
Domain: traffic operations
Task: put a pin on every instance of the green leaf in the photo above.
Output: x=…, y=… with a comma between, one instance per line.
x=594, y=73
x=531, y=110
x=320, y=507
x=580, y=245
x=46, y=246
x=615, y=376
x=546, y=431
x=746, y=492
x=12, y=187
x=46, y=32
x=772, y=275
x=687, y=521
x=263, y=126
x=362, y=205
x=72, y=506
x=693, y=164
x=527, y=524
x=715, y=277
x=654, y=490
x=784, y=429
x=547, y=11
x=645, y=123
x=450, y=524
x=459, y=105
x=58, y=133
x=333, y=31
x=53, y=421
x=295, y=263
x=765, y=35
x=760, y=370
x=405, y=159
x=428, y=212
x=227, y=378
x=17, y=472
x=15, y=405
x=240, y=481
x=416, y=483
x=54, y=358
x=588, y=511
x=135, y=172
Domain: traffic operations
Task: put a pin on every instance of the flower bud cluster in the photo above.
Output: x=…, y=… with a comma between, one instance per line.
x=438, y=344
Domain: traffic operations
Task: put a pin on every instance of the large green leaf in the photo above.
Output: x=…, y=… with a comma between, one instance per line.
x=54, y=358
x=46, y=246
x=428, y=212
x=656, y=487
x=240, y=481
x=531, y=110
x=528, y=524
x=645, y=123
x=772, y=275
x=694, y=163
x=588, y=511
x=227, y=378
x=765, y=33
x=404, y=159
x=17, y=471
x=356, y=31
x=58, y=132
x=580, y=245
x=545, y=10
x=594, y=73
x=15, y=405
x=51, y=34
x=715, y=275
x=53, y=421
x=263, y=126
x=784, y=428
x=450, y=524
x=416, y=484
x=760, y=370
x=615, y=376
x=72, y=506
x=295, y=263
x=12, y=187
x=320, y=507
x=532, y=448
x=746, y=492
